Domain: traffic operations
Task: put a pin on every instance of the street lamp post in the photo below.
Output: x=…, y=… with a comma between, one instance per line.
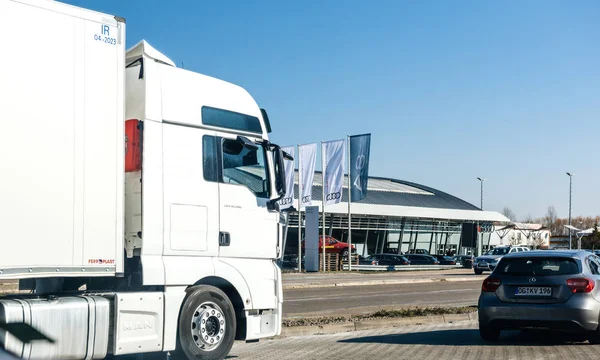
x=481, y=180
x=570, y=193
x=480, y=247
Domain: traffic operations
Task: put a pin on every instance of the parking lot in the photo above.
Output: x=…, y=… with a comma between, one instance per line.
x=440, y=342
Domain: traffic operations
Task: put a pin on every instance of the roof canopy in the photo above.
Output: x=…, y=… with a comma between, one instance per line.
x=398, y=198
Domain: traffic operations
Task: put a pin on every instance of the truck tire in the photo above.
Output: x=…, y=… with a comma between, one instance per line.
x=207, y=325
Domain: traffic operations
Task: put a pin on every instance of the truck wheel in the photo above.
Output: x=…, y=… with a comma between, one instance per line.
x=207, y=325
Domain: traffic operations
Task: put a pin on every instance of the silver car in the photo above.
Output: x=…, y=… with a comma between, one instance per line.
x=551, y=290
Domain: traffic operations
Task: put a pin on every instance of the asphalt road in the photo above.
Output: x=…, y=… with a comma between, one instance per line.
x=346, y=300
x=440, y=342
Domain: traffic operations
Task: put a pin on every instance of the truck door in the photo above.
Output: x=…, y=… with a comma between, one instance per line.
x=191, y=210
x=248, y=229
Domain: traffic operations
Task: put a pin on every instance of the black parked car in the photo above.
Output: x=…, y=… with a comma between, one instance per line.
x=390, y=259
x=418, y=251
x=367, y=260
x=465, y=260
x=422, y=260
x=445, y=260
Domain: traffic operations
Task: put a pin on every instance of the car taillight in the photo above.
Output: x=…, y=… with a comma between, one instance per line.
x=581, y=285
x=490, y=285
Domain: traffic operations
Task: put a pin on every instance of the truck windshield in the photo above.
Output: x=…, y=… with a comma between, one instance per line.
x=245, y=166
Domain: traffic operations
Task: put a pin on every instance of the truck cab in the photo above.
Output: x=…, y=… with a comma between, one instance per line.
x=202, y=181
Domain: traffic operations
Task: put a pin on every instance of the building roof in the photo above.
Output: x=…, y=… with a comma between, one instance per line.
x=386, y=191
x=393, y=197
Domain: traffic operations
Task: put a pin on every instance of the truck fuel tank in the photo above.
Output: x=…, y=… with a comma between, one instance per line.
x=77, y=325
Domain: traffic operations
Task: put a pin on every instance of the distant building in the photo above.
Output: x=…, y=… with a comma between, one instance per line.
x=399, y=216
x=535, y=236
x=559, y=242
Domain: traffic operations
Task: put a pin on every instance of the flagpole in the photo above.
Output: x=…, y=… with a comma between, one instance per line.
x=299, y=212
x=349, y=212
x=323, y=202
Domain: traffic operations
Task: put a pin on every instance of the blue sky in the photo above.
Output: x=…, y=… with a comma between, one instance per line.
x=450, y=90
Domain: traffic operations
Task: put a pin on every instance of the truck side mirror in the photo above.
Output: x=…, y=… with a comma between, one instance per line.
x=280, y=185
x=245, y=142
x=287, y=156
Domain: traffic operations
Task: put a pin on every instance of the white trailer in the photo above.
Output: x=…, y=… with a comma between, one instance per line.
x=138, y=200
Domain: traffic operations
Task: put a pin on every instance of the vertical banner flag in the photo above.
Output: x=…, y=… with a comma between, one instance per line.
x=288, y=199
x=360, y=149
x=333, y=174
x=307, y=161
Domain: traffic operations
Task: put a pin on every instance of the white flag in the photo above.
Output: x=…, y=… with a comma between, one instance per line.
x=333, y=170
x=288, y=200
x=307, y=161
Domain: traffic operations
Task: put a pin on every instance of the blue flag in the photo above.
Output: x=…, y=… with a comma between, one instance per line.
x=360, y=148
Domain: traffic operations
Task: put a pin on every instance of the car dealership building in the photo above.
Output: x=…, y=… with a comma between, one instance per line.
x=399, y=215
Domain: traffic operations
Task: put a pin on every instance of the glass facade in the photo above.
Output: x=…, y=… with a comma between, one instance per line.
x=372, y=235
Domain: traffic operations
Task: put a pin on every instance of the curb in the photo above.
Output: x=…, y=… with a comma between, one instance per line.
x=379, y=282
x=377, y=324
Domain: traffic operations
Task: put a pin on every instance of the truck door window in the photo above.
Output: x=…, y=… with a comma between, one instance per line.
x=245, y=166
x=209, y=158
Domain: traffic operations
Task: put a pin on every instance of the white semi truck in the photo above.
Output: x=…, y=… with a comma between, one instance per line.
x=138, y=200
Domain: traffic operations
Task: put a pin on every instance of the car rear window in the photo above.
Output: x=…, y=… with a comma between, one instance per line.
x=538, y=266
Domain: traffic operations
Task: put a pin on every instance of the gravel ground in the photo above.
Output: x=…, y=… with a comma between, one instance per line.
x=382, y=314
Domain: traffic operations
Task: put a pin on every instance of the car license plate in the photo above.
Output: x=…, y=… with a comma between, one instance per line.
x=533, y=291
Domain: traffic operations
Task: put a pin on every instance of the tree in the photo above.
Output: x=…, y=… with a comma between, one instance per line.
x=513, y=240
x=509, y=214
x=528, y=219
x=537, y=239
x=550, y=217
x=591, y=241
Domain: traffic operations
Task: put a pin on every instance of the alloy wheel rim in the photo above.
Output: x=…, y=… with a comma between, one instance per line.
x=208, y=326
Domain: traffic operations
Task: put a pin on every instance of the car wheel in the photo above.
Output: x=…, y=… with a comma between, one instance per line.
x=488, y=333
x=594, y=337
x=345, y=253
x=478, y=272
x=207, y=325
